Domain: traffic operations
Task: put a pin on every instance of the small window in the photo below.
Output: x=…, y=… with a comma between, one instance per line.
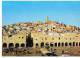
x=70, y=38
x=22, y=37
x=10, y=35
x=59, y=38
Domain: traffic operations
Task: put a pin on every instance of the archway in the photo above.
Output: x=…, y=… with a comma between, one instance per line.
x=66, y=44
x=59, y=44
x=37, y=45
x=22, y=45
x=62, y=44
x=11, y=45
x=16, y=45
x=4, y=45
x=42, y=44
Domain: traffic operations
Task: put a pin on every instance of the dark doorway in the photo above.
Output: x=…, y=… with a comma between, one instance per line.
x=11, y=45
x=29, y=41
x=22, y=45
x=42, y=44
x=37, y=45
x=16, y=45
x=4, y=45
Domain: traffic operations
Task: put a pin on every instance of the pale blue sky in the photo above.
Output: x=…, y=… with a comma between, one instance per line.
x=65, y=12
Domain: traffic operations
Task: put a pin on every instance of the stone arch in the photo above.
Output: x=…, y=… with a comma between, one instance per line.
x=79, y=43
x=62, y=44
x=66, y=44
x=73, y=43
x=16, y=45
x=4, y=45
x=47, y=44
x=37, y=45
x=42, y=44
x=51, y=44
x=59, y=44
x=76, y=43
x=22, y=45
x=70, y=44
x=11, y=45
x=55, y=44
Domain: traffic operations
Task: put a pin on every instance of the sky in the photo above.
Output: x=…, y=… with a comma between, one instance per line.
x=31, y=11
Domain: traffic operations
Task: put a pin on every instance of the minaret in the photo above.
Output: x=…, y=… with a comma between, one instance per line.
x=47, y=18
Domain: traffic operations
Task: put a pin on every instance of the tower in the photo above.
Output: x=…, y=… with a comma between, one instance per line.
x=47, y=18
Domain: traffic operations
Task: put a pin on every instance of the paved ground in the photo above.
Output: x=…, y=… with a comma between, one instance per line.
x=72, y=51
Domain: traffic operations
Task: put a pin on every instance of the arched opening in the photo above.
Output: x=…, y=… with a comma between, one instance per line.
x=76, y=43
x=70, y=44
x=29, y=41
x=16, y=45
x=58, y=44
x=79, y=43
x=4, y=45
x=73, y=43
x=62, y=44
x=51, y=44
x=66, y=44
x=47, y=45
x=42, y=44
x=11, y=45
x=55, y=44
x=37, y=45
x=22, y=45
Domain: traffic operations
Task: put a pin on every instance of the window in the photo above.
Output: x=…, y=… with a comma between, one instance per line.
x=59, y=38
x=22, y=37
x=4, y=45
x=10, y=35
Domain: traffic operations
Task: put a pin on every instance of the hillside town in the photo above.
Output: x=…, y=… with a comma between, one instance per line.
x=47, y=37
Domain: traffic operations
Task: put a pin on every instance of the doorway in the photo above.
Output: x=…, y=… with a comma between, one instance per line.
x=29, y=41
